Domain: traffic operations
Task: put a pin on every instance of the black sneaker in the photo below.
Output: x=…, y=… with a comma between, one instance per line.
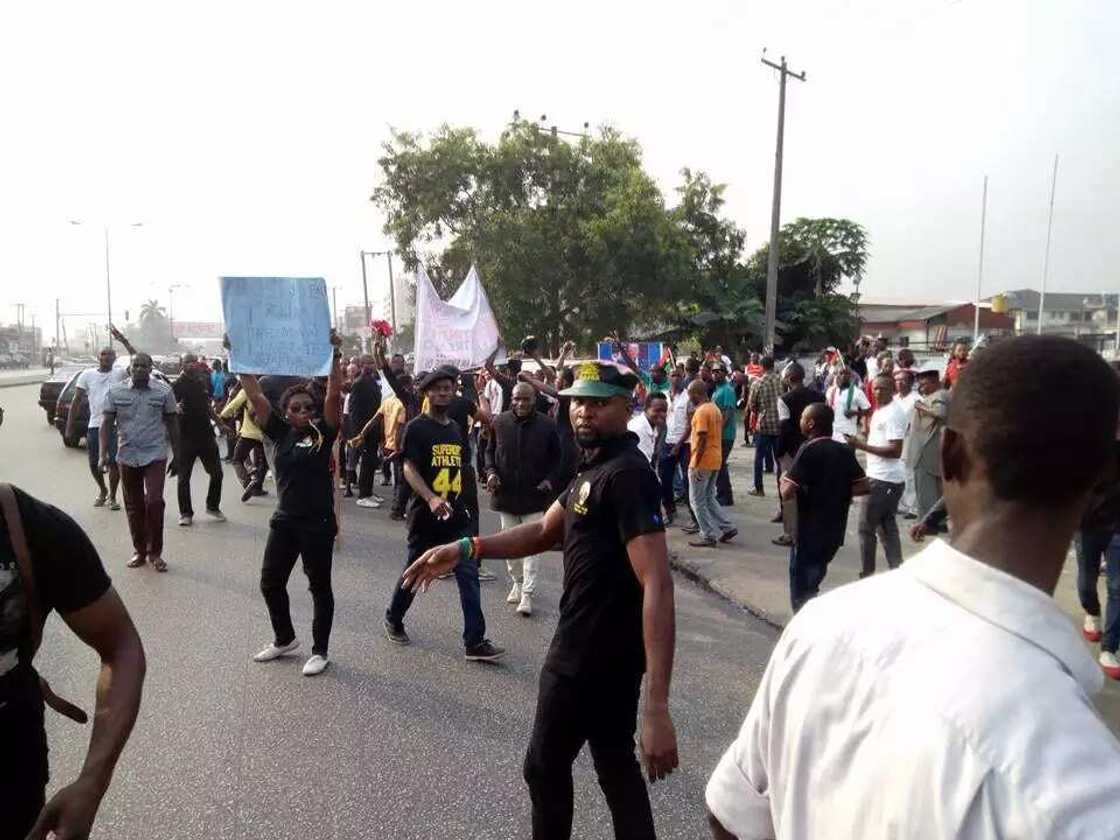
x=484, y=651
x=396, y=634
x=250, y=491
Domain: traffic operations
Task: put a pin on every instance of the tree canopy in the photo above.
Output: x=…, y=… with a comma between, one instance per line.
x=575, y=240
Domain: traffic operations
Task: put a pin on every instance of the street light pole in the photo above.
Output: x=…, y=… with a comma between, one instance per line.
x=108, y=280
x=776, y=209
x=171, y=307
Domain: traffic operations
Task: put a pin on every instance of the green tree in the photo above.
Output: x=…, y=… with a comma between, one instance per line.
x=572, y=239
x=154, y=334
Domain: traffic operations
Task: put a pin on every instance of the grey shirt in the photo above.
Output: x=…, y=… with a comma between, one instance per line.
x=141, y=432
x=923, y=449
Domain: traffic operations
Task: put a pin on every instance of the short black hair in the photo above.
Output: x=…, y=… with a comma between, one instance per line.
x=655, y=395
x=794, y=372
x=1016, y=387
x=692, y=365
x=767, y=362
x=824, y=416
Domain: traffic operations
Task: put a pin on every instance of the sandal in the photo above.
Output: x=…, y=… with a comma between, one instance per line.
x=159, y=564
x=137, y=561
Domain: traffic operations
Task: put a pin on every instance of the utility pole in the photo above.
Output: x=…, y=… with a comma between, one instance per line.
x=365, y=299
x=1046, y=259
x=776, y=211
x=980, y=273
x=392, y=293
x=334, y=301
x=57, y=320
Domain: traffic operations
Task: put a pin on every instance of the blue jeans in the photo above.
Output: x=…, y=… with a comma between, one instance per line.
x=764, y=446
x=1091, y=545
x=702, y=496
x=470, y=598
x=93, y=448
x=807, y=567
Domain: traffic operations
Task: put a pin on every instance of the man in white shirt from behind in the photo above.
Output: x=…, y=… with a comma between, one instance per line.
x=950, y=698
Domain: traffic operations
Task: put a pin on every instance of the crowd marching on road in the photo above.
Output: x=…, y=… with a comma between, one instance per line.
x=892, y=673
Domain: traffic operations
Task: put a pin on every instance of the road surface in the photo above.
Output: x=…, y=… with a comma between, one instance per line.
x=390, y=742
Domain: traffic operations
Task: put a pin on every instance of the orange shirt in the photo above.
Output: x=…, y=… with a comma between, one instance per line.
x=707, y=418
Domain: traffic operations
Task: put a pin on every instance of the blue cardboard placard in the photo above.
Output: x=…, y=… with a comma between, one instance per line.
x=278, y=325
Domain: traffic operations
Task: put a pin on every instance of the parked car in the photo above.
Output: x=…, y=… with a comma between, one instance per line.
x=49, y=390
x=66, y=398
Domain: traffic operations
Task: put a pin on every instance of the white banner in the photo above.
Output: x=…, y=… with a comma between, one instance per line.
x=461, y=331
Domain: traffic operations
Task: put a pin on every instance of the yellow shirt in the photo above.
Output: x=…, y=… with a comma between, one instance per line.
x=249, y=429
x=707, y=418
x=392, y=414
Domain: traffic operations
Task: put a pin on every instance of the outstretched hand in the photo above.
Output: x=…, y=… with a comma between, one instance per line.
x=430, y=566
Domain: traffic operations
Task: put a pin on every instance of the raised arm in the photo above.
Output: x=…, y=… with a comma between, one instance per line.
x=119, y=336
x=262, y=408
x=332, y=408
x=538, y=384
x=106, y=627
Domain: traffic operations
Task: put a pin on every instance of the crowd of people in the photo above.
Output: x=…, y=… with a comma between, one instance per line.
x=600, y=458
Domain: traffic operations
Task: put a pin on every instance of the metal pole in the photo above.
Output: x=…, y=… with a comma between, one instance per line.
x=776, y=209
x=334, y=300
x=365, y=298
x=108, y=288
x=980, y=271
x=171, y=310
x=1046, y=260
x=392, y=293
x=57, y=318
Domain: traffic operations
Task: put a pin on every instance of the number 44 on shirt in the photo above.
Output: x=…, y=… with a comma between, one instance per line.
x=445, y=484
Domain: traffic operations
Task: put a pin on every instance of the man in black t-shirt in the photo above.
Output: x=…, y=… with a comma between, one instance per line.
x=616, y=617
x=196, y=441
x=822, y=480
x=433, y=456
x=59, y=570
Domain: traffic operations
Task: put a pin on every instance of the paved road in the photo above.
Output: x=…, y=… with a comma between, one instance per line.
x=390, y=742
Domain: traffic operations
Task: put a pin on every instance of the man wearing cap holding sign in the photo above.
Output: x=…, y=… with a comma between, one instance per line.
x=616, y=616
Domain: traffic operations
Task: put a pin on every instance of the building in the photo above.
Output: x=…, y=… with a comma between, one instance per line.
x=930, y=327
x=1087, y=316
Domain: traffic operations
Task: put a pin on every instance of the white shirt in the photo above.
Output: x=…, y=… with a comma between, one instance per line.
x=493, y=392
x=677, y=420
x=838, y=402
x=945, y=699
x=96, y=383
x=647, y=435
x=887, y=424
x=907, y=404
x=872, y=367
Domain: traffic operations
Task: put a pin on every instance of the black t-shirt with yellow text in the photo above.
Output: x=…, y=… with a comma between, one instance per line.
x=436, y=451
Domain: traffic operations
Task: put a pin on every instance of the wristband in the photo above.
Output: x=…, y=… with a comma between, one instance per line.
x=476, y=545
x=464, y=549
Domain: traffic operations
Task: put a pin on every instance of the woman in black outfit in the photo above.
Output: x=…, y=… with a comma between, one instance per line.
x=304, y=523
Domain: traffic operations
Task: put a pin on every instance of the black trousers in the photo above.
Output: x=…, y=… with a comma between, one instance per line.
x=723, y=480
x=603, y=713
x=206, y=451
x=23, y=769
x=285, y=544
x=252, y=451
x=402, y=492
x=368, y=464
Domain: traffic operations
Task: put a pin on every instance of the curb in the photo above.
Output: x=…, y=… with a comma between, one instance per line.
x=682, y=565
x=30, y=379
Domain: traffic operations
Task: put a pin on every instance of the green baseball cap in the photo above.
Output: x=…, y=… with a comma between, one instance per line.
x=600, y=380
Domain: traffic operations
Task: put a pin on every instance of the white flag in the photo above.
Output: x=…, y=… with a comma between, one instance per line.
x=461, y=331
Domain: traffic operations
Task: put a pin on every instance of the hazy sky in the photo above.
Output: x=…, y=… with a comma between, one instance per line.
x=245, y=134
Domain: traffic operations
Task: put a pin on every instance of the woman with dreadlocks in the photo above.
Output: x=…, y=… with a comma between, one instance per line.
x=304, y=523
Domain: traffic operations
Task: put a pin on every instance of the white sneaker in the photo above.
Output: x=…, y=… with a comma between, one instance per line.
x=486, y=576
x=1110, y=664
x=185, y=521
x=1091, y=629
x=526, y=605
x=368, y=502
x=275, y=651
x=216, y=515
x=514, y=593
x=315, y=665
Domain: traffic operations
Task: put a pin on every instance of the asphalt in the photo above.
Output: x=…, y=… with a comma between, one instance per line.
x=390, y=742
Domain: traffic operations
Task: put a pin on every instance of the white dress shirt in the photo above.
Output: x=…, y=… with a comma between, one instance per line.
x=677, y=420
x=647, y=436
x=945, y=699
